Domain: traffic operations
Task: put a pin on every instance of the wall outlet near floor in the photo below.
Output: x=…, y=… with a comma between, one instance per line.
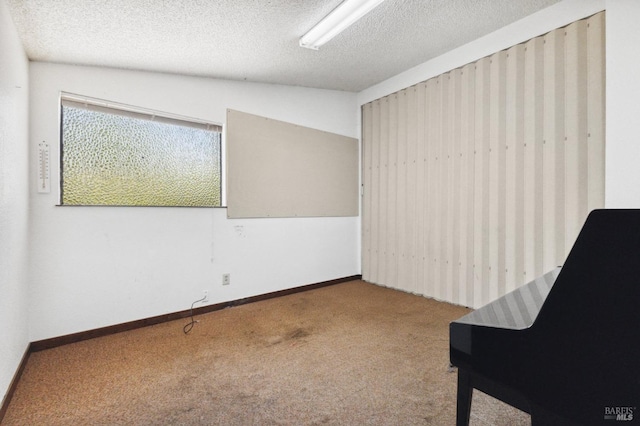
x=205, y=299
x=226, y=279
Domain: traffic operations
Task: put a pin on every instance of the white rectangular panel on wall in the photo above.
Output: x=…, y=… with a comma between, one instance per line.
x=478, y=180
x=279, y=169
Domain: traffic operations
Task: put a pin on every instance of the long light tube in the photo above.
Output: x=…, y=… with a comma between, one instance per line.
x=348, y=12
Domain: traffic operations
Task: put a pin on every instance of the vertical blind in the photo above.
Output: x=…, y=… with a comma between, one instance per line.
x=478, y=180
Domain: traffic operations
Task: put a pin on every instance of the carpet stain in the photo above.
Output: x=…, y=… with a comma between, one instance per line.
x=298, y=334
x=325, y=420
x=295, y=335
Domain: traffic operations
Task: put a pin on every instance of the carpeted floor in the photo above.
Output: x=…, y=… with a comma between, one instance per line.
x=348, y=354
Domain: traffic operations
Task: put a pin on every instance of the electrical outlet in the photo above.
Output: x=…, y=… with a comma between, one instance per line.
x=226, y=279
x=206, y=296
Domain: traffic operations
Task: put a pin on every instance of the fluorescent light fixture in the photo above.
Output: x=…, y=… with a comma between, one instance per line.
x=348, y=12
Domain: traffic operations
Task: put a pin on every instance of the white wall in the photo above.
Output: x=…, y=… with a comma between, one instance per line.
x=14, y=337
x=98, y=266
x=622, y=182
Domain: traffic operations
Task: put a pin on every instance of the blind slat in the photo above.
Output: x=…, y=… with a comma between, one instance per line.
x=107, y=107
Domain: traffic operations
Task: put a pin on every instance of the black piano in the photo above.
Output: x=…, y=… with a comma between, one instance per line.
x=564, y=348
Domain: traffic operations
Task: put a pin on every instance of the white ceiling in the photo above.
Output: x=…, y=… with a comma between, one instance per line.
x=256, y=40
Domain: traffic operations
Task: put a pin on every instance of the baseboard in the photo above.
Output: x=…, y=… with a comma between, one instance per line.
x=118, y=328
x=14, y=382
x=105, y=331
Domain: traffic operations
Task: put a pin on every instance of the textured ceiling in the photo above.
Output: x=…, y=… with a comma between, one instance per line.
x=256, y=40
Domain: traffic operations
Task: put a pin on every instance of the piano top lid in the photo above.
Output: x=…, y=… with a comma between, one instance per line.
x=517, y=309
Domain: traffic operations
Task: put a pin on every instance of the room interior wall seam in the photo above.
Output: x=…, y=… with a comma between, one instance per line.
x=14, y=201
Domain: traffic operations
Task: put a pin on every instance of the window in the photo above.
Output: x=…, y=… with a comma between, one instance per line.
x=116, y=155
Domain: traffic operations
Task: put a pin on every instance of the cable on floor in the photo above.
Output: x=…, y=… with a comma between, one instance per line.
x=187, y=328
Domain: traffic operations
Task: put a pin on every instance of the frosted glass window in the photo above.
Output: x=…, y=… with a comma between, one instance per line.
x=114, y=159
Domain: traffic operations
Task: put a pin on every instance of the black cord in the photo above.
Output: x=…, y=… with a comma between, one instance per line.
x=187, y=328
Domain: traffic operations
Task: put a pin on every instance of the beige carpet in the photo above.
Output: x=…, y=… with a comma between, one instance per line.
x=348, y=354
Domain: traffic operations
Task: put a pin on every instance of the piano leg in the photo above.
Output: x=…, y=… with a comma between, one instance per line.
x=465, y=393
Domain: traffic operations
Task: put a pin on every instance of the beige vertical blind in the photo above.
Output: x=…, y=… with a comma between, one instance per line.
x=478, y=180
